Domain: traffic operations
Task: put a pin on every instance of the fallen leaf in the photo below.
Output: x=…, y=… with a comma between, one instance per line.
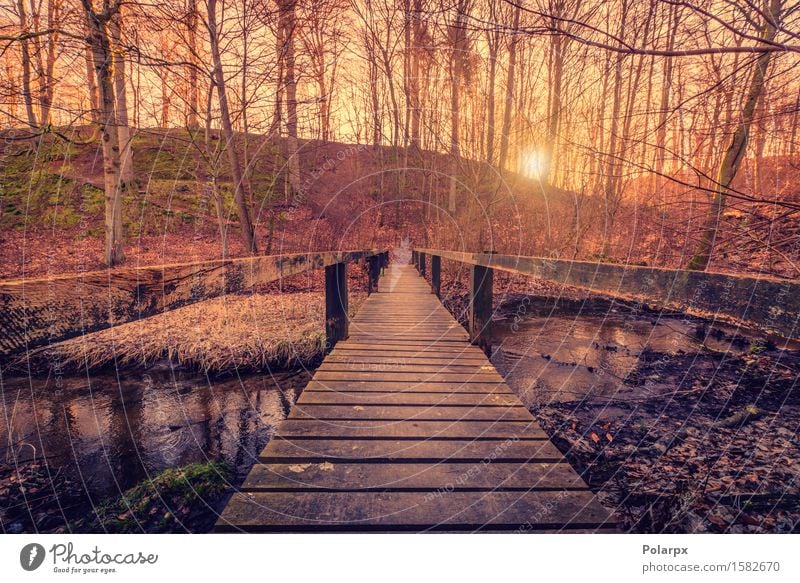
x=326, y=466
x=298, y=468
x=594, y=437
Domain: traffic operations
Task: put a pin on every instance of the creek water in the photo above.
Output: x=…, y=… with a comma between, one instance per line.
x=569, y=357
x=106, y=432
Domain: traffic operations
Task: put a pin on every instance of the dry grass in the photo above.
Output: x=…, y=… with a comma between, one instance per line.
x=250, y=332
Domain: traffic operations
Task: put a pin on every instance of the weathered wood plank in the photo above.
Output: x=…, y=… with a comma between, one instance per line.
x=405, y=387
x=519, y=476
x=350, y=429
x=283, y=450
x=373, y=511
x=419, y=412
x=331, y=397
x=392, y=366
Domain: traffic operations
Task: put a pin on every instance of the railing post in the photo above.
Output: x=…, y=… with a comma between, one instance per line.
x=414, y=258
x=436, y=275
x=422, y=264
x=374, y=273
x=336, y=320
x=480, y=305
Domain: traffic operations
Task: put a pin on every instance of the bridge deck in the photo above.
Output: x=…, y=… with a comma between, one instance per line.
x=407, y=427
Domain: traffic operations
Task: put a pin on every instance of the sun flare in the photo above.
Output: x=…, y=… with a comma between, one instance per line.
x=534, y=164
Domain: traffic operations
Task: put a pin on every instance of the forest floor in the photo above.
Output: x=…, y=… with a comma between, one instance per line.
x=702, y=438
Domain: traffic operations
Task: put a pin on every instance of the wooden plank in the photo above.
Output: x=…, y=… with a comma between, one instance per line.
x=350, y=429
x=392, y=366
x=419, y=412
x=410, y=377
x=409, y=511
x=34, y=312
x=406, y=348
x=283, y=450
x=517, y=476
x=405, y=387
x=331, y=397
x=382, y=358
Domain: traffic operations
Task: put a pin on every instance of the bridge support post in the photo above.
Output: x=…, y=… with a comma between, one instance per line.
x=336, y=320
x=436, y=275
x=414, y=258
x=422, y=265
x=375, y=263
x=480, y=306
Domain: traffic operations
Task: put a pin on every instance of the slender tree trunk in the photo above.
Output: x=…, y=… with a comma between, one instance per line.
x=509, y=101
x=47, y=66
x=213, y=183
x=458, y=45
x=493, y=42
x=666, y=91
x=120, y=93
x=288, y=23
x=193, y=97
x=554, y=114
x=732, y=159
x=25, y=57
x=240, y=194
x=91, y=82
x=165, y=99
x=103, y=60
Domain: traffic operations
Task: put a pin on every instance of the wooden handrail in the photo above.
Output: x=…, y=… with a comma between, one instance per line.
x=767, y=303
x=35, y=312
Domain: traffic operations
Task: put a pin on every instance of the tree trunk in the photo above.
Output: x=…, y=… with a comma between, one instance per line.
x=103, y=59
x=288, y=23
x=25, y=57
x=91, y=82
x=732, y=159
x=213, y=183
x=493, y=42
x=611, y=165
x=193, y=98
x=509, y=101
x=458, y=46
x=239, y=186
x=120, y=93
x=554, y=113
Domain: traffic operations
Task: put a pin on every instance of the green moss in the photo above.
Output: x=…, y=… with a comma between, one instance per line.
x=174, y=500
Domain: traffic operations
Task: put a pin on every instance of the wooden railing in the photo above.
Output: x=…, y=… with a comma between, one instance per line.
x=769, y=304
x=35, y=312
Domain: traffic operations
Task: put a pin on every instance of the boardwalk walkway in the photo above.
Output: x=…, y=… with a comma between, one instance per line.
x=407, y=427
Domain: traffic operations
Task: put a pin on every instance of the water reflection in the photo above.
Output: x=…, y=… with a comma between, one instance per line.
x=107, y=433
x=568, y=357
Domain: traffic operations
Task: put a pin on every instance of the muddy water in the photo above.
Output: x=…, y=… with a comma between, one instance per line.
x=106, y=433
x=567, y=357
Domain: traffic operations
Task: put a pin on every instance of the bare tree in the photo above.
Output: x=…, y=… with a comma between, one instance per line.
x=240, y=186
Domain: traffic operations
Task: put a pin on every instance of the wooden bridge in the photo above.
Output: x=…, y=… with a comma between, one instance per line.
x=406, y=426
